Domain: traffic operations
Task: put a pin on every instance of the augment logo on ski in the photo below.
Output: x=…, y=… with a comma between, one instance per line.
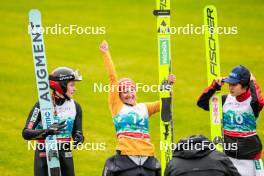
x=41, y=72
x=212, y=41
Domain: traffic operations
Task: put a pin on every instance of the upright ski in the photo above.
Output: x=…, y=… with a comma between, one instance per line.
x=213, y=72
x=166, y=124
x=45, y=101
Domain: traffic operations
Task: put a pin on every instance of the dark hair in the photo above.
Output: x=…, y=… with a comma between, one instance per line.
x=245, y=85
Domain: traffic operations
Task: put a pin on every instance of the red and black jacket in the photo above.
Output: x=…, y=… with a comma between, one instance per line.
x=248, y=147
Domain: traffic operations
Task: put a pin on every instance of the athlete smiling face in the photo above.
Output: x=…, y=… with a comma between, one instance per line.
x=127, y=91
x=128, y=96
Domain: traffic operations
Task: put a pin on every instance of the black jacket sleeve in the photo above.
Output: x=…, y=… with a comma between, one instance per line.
x=77, y=127
x=229, y=166
x=203, y=101
x=29, y=132
x=257, y=100
x=168, y=169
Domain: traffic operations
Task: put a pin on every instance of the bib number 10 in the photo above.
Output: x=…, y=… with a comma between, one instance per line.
x=237, y=119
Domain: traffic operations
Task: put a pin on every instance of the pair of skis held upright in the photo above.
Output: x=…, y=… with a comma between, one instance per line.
x=213, y=72
x=166, y=125
x=213, y=66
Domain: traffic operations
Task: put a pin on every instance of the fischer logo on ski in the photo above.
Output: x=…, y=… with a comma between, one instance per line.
x=212, y=40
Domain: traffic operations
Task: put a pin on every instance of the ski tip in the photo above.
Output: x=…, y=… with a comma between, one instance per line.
x=34, y=12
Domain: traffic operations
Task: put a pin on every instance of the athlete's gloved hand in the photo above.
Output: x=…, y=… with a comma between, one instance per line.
x=220, y=81
x=78, y=138
x=54, y=129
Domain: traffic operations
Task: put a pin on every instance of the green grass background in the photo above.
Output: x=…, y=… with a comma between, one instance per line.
x=131, y=33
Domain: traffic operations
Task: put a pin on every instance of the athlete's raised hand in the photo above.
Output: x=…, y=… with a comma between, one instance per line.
x=220, y=81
